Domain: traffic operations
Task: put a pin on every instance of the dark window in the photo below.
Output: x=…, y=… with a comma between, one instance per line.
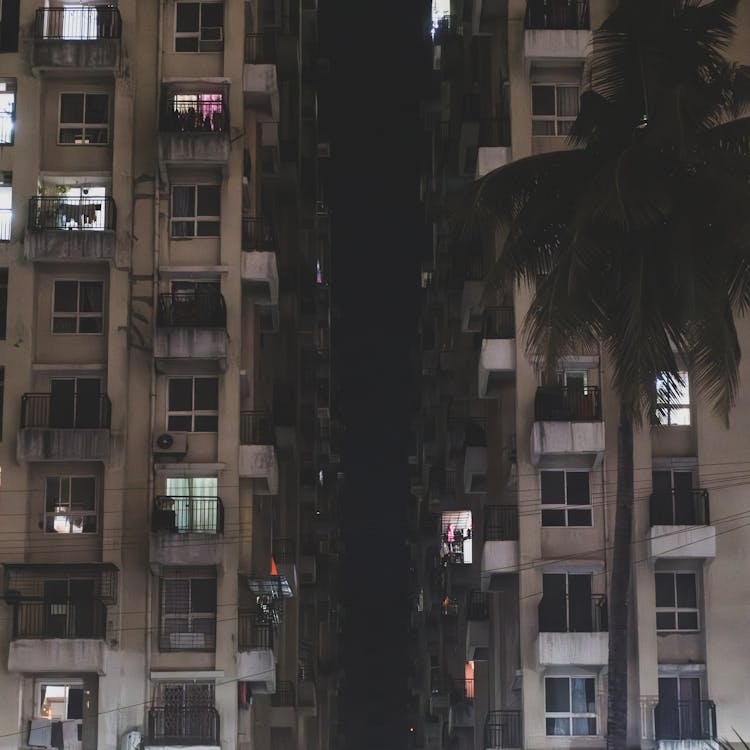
x=70, y=505
x=199, y=27
x=9, y=25
x=193, y=405
x=676, y=601
x=84, y=119
x=188, y=614
x=196, y=210
x=566, y=498
x=570, y=706
x=77, y=307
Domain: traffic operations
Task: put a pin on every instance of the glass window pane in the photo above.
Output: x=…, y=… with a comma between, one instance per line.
x=206, y=394
x=553, y=518
x=204, y=423
x=686, y=594
x=186, y=44
x=180, y=394
x=66, y=296
x=90, y=325
x=584, y=727
x=71, y=135
x=578, y=487
x=209, y=200
x=556, y=695
x=208, y=229
x=687, y=621
x=97, y=108
x=582, y=695
x=180, y=423
x=543, y=127
x=63, y=325
x=187, y=17
x=567, y=101
x=543, y=100
x=82, y=493
x=71, y=107
x=665, y=621
x=203, y=593
x=579, y=518
x=183, y=200
x=91, y=296
x=212, y=14
x=553, y=487
x=52, y=494
x=664, y=589
x=176, y=592
x=558, y=727
x=183, y=228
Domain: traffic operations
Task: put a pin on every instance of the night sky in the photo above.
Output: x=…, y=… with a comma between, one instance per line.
x=379, y=56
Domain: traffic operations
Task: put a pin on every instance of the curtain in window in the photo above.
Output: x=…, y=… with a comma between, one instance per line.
x=567, y=101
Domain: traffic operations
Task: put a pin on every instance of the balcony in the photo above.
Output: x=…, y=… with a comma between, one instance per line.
x=502, y=730
x=500, y=549
x=567, y=427
x=258, y=460
x=64, y=428
x=497, y=357
x=186, y=531
x=256, y=663
x=475, y=469
x=557, y=31
x=494, y=149
x=77, y=229
x=260, y=76
x=259, y=270
x=477, y=625
x=461, y=711
x=681, y=525
x=194, y=130
x=190, y=327
x=283, y=712
x=571, y=633
x=84, y=38
x=685, y=725
x=59, y=616
x=170, y=726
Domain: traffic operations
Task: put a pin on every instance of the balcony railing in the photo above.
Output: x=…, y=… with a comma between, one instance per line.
x=260, y=49
x=563, y=404
x=253, y=631
x=72, y=618
x=573, y=616
x=64, y=213
x=180, y=514
x=197, y=634
x=256, y=428
x=77, y=412
x=183, y=725
x=477, y=605
x=257, y=234
x=557, y=14
x=502, y=729
x=191, y=310
x=501, y=523
x=285, y=695
x=498, y=323
x=685, y=720
x=194, y=113
x=76, y=24
x=680, y=508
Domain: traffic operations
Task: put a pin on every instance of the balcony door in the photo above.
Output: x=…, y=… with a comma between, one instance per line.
x=678, y=714
x=566, y=603
x=194, y=503
x=75, y=402
x=674, y=501
x=69, y=609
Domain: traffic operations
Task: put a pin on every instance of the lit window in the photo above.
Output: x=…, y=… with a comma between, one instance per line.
x=196, y=210
x=570, y=706
x=676, y=601
x=7, y=111
x=84, y=119
x=673, y=401
x=566, y=498
x=193, y=405
x=554, y=108
x=188, y=614
x=78, y=306
x=199, y=27
x=70, y=505
x=6, y=205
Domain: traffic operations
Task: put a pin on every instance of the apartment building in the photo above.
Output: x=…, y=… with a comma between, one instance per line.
x=169, y=516
x=513, y=476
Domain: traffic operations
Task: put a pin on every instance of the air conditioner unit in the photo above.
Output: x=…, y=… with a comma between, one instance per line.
x=324, y=150
x=170, y=445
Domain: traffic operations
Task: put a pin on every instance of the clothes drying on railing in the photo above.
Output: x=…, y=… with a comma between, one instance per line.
x=80, y=213
x=62, y=735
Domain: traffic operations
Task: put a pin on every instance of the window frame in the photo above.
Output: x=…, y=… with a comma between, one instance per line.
x=565, y=506
x=196, y=219
x=571, y=715
x=213, y=45
x=68, y=512
x=677, y=609
x=190, y=616
x=77, y=315
x=193, y=413
x=84, y=125
x=554, y=118
x=52, y=681
x=666, y=404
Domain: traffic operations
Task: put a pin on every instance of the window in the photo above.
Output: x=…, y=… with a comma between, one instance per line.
x=570, y=706
x=199, y=27
x=566, y=498
x=6, y=205
x=679, y=714
x=70, y=701
x=188, y=614
x=84, y=119
x=568, y=606
x=3, y=302
x=676, y=602
x=7, y=111
x=675, y=499
x=196, y=210
x=9, y=25
x=70, y=505
x=77, y=403
x=554, y=108
x=193, y=405
x=673, y=401
x=77, y=306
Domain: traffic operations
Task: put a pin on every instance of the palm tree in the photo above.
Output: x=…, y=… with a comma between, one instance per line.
x=639, y=238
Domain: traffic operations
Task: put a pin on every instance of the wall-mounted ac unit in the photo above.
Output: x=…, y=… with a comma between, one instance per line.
x=170, y=445
x=324, y=150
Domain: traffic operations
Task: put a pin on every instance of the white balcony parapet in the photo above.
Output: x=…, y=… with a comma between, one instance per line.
x=565, y=649
x=258, y=667
x=60, y=655
x=582, y=443
x=682, y=542
x=475, y=469
x=259, y=463
x=556, y=45
x=259, y=271
x=260, y=84
x=490, y=158
x=498, y=558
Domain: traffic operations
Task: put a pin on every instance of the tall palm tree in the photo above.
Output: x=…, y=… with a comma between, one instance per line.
x=639, y=238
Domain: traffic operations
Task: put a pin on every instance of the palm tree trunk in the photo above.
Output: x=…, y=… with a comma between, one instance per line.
x=617, y=700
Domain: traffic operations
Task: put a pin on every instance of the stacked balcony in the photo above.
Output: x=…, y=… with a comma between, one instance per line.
x=500, y=550
x=681, y=525
x=76, y=229
x=171, y=726
x=64, y=428
x=502, y=730
x=477, y=625
x=259, y=269
x=557, y=31
x=190, y=327
x=494, y=150
x=260, y=76
x=497, y=357
x=258, y=459
x=256, y=662
x=685, y=724
x=82, y=38
x=284, y=706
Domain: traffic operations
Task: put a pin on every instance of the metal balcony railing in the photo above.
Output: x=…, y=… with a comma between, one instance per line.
x=78, y=24
x=253, y=631
x=502, y=729
x=180, y=514
x=498, y=323
x=284, y=550
x=80, y=411
x=260, y=49
x=70, y=618
x=183, y=725
x=680, y=508
x=285, y=695
x=501, y=523
x=256, y=428
x=191, y=310
x=181, y=634
x=194, y=113
x=573, y=615
x=89, y=214
x=563, y=404
x=257, y=234
x=477, y=605
x=557, y=14
x=685, y=720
